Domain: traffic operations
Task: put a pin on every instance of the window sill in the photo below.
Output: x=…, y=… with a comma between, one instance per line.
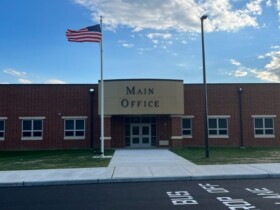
x=264, y=136
x=187, y=137
x=219, y=137
x=31, y=138
x=74, y=138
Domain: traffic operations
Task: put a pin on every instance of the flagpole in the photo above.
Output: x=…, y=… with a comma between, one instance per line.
x=102, y=92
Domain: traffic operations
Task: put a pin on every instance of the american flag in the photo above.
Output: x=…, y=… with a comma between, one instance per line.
x=88, y=34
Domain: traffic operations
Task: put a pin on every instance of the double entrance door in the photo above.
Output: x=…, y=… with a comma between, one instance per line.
x=140, y=135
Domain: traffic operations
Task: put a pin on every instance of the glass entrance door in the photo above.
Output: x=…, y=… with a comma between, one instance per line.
x=140, y=135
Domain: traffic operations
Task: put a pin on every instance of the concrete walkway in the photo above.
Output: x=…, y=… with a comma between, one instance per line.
x=130, y=165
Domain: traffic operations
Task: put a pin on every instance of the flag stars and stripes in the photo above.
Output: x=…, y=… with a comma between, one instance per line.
x=88, y=34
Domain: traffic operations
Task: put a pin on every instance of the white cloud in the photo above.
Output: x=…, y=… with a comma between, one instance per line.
x=234, y=62
x=182, y=65
x=23, y=77
x=270, y=71
x=266, y=76
x=180, y=15
x=240, y=73
x=254, y=7
x=268, y=3
x=159, y=35
x=24, y=81
x=55, y=81
x=14, y=73
x=125, y=44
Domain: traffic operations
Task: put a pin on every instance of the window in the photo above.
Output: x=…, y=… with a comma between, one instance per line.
x=2, y=128
x=74, y=128
x=32, y=128
x=264, y=126
x=187, y=126
x=218, y=127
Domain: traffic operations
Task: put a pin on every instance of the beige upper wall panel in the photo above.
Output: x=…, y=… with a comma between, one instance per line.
x=137, y=97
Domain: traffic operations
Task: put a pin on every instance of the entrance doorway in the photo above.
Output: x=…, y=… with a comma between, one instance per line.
x=140, y=131
x=140, y=135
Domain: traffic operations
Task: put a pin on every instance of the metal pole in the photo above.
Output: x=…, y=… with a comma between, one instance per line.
x=239, y=91
x=102, y=93
x=205, y=91
x=91, y=91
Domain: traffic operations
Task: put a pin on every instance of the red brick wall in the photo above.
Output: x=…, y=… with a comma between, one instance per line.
x=51, y=102
x=257, y=99
x=163, y=128
x=74, y=100
x=117, y=131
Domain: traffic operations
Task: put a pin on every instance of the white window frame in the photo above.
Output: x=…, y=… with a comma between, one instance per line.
x=217, y=117
x=190, y=129
x=32, y=137
x=74, y=137
x=263, y=117
x=3, y=119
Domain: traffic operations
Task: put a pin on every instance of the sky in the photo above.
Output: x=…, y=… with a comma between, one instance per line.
x=158, y=39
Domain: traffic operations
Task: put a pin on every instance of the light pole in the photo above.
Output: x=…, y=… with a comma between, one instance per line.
x=91, y=92
x=205, y=91
x=240, y=91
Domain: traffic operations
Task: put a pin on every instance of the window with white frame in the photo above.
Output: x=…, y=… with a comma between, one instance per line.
x=32, y=128
x=264, y=126
x=2, y=128
x=218, y=127
x=187, y=126
x=74, y=128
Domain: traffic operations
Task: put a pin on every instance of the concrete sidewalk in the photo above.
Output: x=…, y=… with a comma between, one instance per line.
x=139, y=165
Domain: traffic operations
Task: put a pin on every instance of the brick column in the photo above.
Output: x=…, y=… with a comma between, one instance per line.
x=107, y=131
x=176, y=131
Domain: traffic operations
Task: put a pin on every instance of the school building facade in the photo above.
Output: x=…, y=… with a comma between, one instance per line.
x=138, y=113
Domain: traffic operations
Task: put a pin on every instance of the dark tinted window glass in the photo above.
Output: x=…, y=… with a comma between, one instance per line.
x=37, y=124
x=154, y=130
x=269, y=131
x=213, y=132
x=268, y=123
x=37, y=134
x=69, y=124
x=69, y=133
x=223, y=132
x=1, y=125
x=26, y=134
x=80, y=124
x=26, y=124
x=258, y=123
x=212, y=123
x=127, y=130
x=186, y=123
x=222, y=123
x=79, y=133
x=259, y=131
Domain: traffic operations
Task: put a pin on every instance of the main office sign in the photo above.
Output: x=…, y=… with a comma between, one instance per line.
x=137, y=97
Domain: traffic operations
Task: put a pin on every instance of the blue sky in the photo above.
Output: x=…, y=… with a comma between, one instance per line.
x=142, y=39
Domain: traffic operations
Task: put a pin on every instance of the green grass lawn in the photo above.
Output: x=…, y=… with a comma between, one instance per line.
x=230, y=155
x=50, y=159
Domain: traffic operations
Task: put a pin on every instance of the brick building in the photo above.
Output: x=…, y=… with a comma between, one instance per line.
x=138, y=113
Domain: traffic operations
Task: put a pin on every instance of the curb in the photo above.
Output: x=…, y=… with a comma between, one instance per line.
x=139, y=179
